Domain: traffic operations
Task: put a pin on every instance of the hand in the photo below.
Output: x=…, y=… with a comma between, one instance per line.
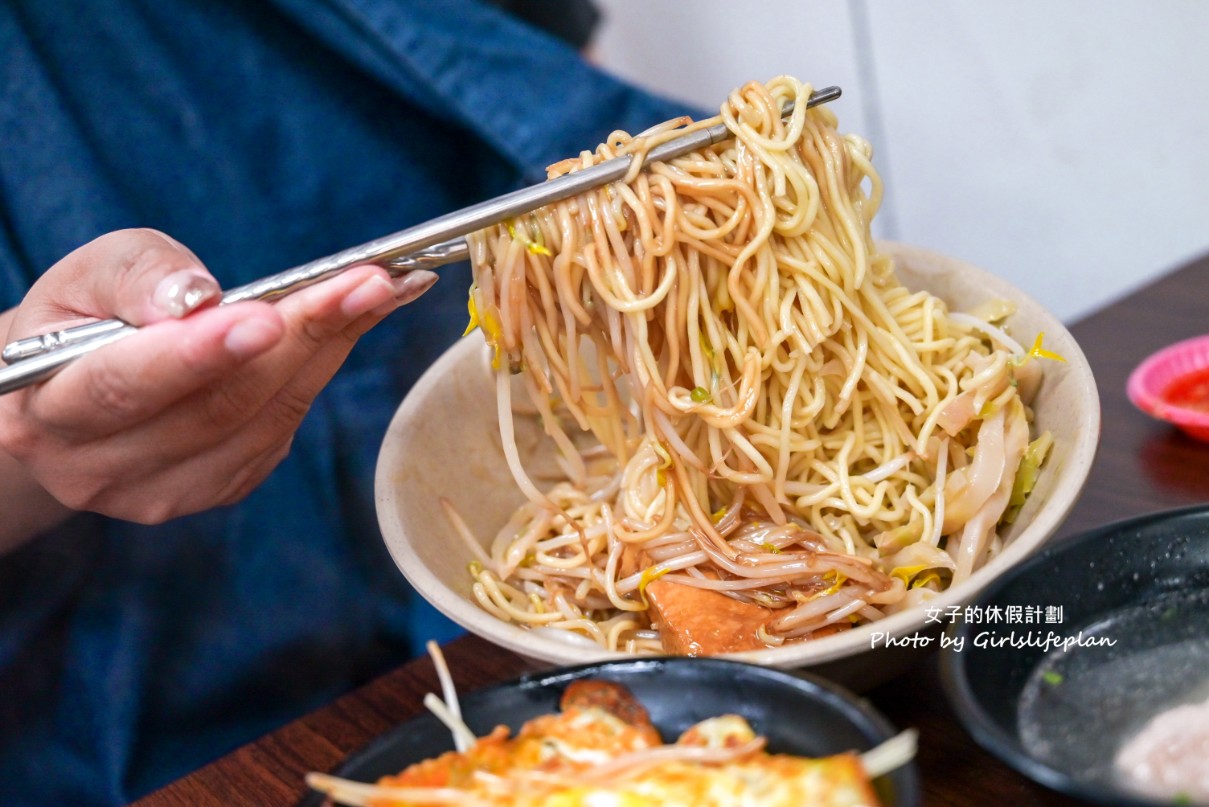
x=195, y=409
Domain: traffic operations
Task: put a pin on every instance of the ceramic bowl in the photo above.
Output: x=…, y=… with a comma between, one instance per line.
x=444, y=442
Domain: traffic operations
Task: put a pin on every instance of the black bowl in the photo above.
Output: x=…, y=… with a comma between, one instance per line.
x=798, y=714
x=1119, y=632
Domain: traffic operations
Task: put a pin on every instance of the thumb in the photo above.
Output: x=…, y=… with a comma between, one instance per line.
x=140, y=276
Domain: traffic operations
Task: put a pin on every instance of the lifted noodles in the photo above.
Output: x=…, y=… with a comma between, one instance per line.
x=782, y=440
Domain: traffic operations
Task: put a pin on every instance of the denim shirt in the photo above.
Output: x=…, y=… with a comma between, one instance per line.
x=262, y=135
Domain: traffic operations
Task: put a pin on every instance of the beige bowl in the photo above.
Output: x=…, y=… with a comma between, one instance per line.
x=444, y=441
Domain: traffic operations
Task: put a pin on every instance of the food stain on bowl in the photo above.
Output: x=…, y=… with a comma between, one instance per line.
x=1173, y=385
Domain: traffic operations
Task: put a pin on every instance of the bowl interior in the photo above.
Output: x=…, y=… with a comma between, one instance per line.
x=444, y=442
x=798, y=715
x=1131, y=638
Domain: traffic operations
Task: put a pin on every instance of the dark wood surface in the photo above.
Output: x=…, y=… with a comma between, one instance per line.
x=1142, y=466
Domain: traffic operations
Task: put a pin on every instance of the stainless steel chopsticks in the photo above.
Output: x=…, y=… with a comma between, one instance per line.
x=433, y=243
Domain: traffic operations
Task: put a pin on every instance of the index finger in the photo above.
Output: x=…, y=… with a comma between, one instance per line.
x=129, y=381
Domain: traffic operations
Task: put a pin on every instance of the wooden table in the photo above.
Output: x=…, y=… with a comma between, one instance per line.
x=1142, y=466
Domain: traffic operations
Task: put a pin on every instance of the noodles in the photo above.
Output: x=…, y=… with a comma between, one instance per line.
x=755, y=417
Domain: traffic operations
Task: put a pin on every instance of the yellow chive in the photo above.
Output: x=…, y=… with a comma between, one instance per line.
x=905, y=573
x=648, y=575
x=666, y=462
x=661, y=450
x=1041, y=353
x=531, y=246
x=473, y=311
x=837, y=581
x=924, y=580
x=492, y=331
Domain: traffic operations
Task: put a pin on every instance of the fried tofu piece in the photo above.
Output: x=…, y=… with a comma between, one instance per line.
x=698, y=622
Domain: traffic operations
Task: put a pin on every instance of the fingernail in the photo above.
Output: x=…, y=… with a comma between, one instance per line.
x=411, y=285
x=251, y=337
x=183, y=291
x=369, y=295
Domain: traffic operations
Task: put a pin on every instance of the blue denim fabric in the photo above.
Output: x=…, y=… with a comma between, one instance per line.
x=261, y=134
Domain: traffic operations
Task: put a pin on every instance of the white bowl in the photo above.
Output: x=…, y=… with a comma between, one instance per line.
x=444, y=441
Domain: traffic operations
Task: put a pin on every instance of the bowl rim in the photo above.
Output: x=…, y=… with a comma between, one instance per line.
x=977, y=721
x=833, y=648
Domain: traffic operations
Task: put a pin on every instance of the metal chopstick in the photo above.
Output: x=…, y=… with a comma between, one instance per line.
x=34, y=346
x=433, y=243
